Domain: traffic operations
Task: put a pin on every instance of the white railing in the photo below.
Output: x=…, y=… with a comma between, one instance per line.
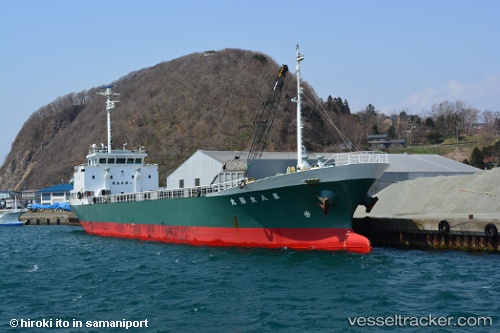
x=197, y=191
x=188, y=192
x=358, y=158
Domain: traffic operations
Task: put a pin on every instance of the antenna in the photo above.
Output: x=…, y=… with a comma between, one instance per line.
x=110, y=105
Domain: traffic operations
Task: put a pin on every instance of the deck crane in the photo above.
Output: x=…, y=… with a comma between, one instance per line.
x=261, y=128
x=264, y=121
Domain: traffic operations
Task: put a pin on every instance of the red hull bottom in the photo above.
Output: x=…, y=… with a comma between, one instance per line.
x=331, y=239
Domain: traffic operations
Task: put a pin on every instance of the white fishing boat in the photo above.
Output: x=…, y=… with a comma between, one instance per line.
x=10, y=216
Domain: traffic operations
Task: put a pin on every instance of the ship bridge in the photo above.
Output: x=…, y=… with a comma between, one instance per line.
x=115, y=171
x=101, y=156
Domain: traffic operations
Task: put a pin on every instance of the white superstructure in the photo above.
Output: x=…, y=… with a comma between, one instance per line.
x=112, y=171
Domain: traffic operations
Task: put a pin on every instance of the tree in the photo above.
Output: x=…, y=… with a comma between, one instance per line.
x=329, y=103
x=370, y=109
x=496, y=153
x=491, y=123
x=453, y=118
x=345, y=108
x=429, y=122
x=434, y=137
x=403, y=117
x=337, y=105
x=391, y=134
x=477, y=157
x=492, y=152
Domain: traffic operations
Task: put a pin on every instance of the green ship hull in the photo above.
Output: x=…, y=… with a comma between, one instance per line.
x=304, y=210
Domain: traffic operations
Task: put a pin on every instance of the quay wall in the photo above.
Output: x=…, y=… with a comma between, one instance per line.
x=50, y=218
x=445, y=234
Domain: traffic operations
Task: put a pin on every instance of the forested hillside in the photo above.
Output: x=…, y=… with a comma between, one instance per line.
x=199, y=101
x=209, y=101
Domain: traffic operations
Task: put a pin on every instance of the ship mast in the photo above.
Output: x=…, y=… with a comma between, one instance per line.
x=110, y=105
x=297, y=100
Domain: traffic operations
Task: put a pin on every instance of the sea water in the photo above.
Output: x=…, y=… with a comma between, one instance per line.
x=59, y=279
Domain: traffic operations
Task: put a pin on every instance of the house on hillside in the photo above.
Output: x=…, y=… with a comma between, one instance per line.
x=381, y=141
x=58, y=193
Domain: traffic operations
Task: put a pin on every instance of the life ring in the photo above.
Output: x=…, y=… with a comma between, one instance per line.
x=79, y=195
x=242, y=183
x=491, y=230
x=444, y=227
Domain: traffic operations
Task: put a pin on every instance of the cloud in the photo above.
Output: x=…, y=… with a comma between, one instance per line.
x=484, y=94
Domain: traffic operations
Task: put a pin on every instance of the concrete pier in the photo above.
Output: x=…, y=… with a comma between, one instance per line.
x=49, y=218
x=431, y=233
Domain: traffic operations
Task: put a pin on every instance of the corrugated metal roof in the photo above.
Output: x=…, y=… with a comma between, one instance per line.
x=58, y=188
x=426, y=163
x=398, y=162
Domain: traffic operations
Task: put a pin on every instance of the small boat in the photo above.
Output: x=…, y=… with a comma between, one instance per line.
x=12, y=224
x=9, y=217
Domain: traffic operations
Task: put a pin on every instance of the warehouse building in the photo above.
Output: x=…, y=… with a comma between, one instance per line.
x=206, y=167
x=411, y=166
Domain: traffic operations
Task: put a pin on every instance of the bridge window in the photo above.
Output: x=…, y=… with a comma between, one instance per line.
x=111, y=161
x=120, y=161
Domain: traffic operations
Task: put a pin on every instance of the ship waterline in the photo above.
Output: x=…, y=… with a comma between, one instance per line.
x=329, y=239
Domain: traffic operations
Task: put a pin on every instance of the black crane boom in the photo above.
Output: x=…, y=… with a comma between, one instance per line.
x=264, y=121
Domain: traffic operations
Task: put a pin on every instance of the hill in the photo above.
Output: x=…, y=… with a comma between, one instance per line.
x=199, y=101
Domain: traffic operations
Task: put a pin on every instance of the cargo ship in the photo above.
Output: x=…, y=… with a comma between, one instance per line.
x=306, y=207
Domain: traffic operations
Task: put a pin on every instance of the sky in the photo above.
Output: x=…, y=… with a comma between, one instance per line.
x=396, y=55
